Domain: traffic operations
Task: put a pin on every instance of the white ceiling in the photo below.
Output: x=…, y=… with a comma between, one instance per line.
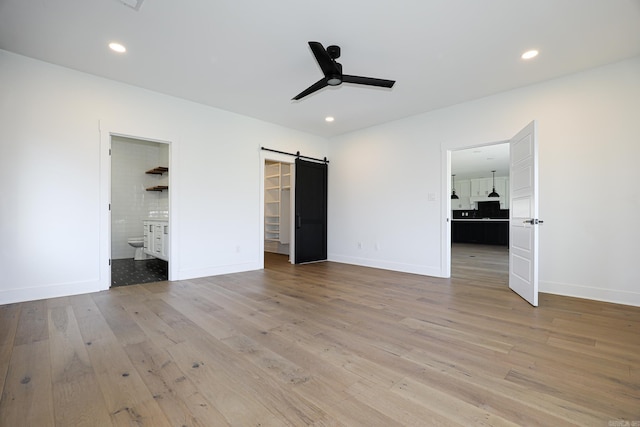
x=478, y=162
x=252, y=56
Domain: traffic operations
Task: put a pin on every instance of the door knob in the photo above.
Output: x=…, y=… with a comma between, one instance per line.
x=533, y=221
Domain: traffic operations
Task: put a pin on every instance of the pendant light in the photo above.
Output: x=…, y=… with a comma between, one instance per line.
x=453, y=187
x=493, y=193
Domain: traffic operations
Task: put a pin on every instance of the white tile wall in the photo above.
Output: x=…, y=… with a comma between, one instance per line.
x=130, y=202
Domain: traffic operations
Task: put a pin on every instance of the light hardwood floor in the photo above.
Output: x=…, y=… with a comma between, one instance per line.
x=321, y=344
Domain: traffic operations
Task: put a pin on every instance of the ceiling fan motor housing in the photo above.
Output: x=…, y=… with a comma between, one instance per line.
x=333, y=51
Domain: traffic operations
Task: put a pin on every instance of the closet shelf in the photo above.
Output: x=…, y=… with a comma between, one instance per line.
x=158, y=171
x=158, y=188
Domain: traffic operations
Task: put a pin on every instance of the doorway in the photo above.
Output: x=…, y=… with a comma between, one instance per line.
x=139, y=211
x=304, y=224
x=479, y=195
x=523, y=213
x=277, y=207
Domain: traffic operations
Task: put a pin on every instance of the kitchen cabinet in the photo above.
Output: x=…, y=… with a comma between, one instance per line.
x=482, y=187
x=156, y=238
x=463, y=188
x=470, y=191
x=487, y=232
x=463, y=191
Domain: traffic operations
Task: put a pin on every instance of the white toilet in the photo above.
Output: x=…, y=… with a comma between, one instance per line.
x=138, y=243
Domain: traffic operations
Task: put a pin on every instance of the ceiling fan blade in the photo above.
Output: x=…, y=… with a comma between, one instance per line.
x=313, y=88
x=368, y=81
x=325, y=62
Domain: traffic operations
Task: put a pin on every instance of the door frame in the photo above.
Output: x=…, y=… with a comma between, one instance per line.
x=107, y=131
x=445, y=266
x=265, y=156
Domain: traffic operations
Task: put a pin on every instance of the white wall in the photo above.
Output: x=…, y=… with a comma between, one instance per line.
x=53, y=196
x=54, y=178
x=381, y=178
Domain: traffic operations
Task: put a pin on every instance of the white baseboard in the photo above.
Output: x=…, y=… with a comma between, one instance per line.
x=592, y=293
x=570, y=290
x=67, y=289
x=387, y=265
x=49, y=291
x=197, y=273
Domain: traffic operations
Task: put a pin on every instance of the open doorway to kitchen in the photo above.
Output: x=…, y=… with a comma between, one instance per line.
x=480, y=214
x=139, y=208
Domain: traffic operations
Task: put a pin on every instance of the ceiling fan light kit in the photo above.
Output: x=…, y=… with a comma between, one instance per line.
x=332, y=71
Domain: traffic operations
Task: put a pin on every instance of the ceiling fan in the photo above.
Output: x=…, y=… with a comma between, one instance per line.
x=333, y=71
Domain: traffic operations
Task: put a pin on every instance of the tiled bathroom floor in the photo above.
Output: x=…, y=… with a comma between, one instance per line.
x=130, y=272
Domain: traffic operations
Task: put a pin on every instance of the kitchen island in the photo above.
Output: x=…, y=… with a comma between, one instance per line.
x=487, y=231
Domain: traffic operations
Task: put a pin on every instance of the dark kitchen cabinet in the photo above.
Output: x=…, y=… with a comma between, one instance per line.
x=481, y=231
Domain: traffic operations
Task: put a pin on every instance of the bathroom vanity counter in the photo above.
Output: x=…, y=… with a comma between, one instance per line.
x=156, y=238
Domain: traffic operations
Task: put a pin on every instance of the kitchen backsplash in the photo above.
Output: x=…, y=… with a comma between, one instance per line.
x=471, y=214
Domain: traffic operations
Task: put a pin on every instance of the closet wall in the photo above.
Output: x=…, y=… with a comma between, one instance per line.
x=277, y=206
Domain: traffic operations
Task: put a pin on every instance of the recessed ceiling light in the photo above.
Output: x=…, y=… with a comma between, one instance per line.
x=117, y=47
x=530, y=54
x=329, y=119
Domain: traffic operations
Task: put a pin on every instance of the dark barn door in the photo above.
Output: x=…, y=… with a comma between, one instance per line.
x=311, y=211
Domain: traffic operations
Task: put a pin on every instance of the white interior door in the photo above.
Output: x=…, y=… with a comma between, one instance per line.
x=523, y=221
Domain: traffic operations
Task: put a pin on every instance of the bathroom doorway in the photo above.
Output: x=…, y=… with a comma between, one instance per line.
x=139, y=209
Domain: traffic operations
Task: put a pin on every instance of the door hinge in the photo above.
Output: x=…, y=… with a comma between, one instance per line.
x=109, y=151
x=109, y=206
x=109, y=261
